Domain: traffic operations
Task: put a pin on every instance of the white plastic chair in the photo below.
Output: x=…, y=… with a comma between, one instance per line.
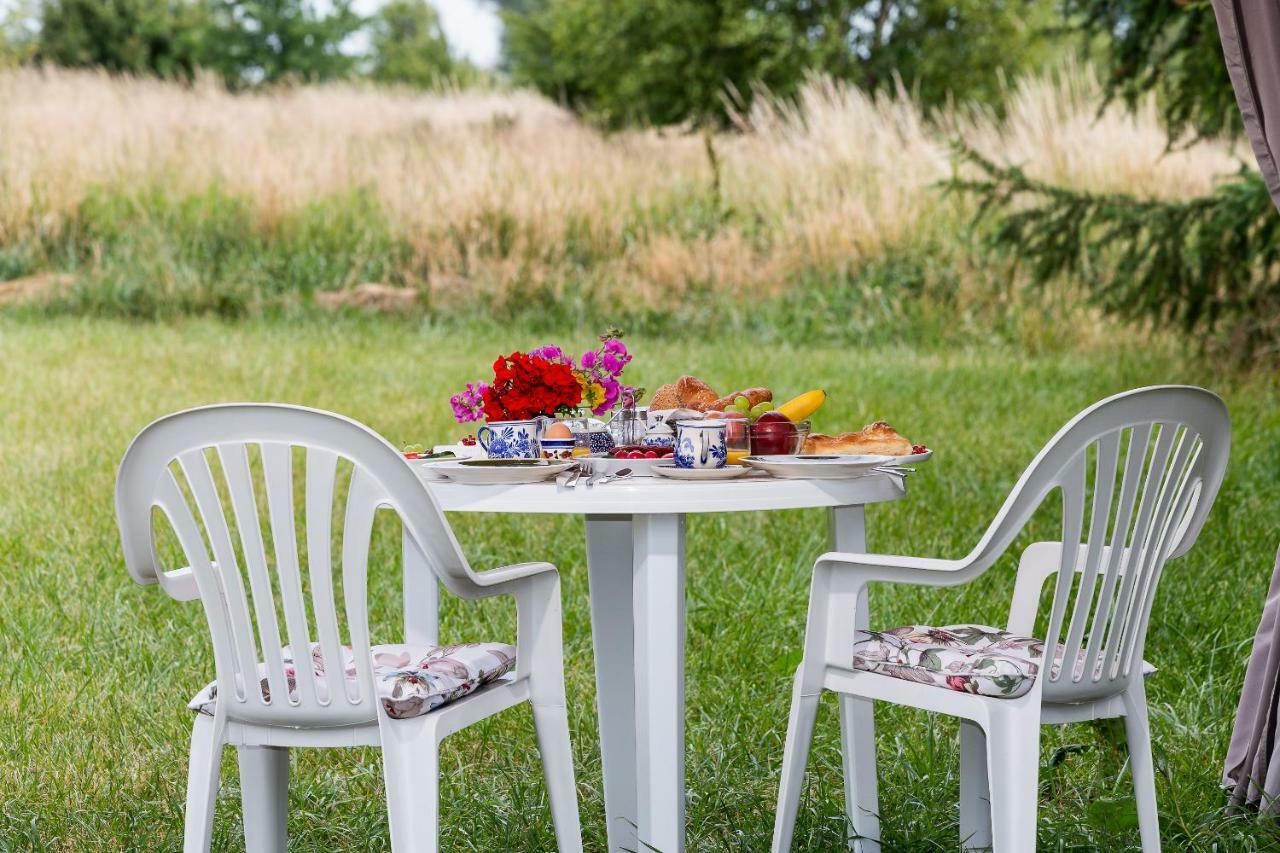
x=1166, y=448
x=169, y=457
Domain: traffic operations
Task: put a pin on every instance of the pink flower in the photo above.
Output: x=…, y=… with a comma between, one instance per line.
x=468, y=405
x=612, y=364
x=551, y=352
x=612, y=391
x=588, y=360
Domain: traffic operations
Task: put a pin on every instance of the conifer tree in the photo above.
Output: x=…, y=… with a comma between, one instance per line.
x=1210, y=265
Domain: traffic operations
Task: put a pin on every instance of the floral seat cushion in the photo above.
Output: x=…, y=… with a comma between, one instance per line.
x=969, y=658
x=411, y=680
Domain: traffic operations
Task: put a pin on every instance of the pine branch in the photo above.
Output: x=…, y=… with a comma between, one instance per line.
x=1209, y=266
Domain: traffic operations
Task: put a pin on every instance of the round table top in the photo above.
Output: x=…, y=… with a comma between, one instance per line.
x=658, y=495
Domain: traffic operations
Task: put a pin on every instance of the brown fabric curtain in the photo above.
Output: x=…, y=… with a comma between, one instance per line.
x=1252, y=769
x=1250, y=31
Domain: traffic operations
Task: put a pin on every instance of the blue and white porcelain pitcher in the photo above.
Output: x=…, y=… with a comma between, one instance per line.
x=511, y=439
x=701, y=444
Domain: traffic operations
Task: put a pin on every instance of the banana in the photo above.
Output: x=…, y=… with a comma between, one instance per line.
x=803, y=407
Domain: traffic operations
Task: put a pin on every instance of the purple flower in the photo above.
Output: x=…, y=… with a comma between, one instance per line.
x=551, y=352
x=612, y=364
x=612, y=390
x=588, y=360
x=468, y=405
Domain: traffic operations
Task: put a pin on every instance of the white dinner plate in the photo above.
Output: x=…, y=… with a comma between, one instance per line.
x=728, y=472
x=426, y=468
x=475, y=472
x=910, y=458
x=818, y=466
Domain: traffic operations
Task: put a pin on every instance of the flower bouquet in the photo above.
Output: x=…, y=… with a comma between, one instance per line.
x=542, y=383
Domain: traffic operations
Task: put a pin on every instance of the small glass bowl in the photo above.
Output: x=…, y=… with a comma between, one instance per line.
x=775, y=442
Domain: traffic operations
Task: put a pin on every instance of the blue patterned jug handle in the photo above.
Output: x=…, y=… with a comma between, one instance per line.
x=480, y=437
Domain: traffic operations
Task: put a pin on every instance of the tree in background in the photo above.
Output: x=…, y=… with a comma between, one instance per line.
x=135, y=36
x=246, y=42
x=19, y=23
x=265, y=41
x=668, y=61
x=1210, y=265
x=409, y=47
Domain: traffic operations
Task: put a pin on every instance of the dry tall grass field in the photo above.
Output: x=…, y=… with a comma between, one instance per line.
x=492, y=196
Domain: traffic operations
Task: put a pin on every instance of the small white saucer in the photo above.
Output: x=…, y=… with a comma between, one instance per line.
x=728, y=472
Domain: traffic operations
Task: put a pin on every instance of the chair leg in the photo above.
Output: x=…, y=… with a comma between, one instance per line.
x=1013, y=766
x=858, y=755
x=795, y=756
x=552, y=725
x=975, y=791
x=411, y=769
x=1138, y=733
x=203, y=771
x=264, y=792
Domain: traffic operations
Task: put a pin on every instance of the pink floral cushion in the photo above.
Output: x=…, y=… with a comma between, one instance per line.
x=970, y=658
x=411, y=680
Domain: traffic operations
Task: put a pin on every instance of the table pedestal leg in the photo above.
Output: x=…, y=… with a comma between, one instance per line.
x=610, y=569
x=421, y=596
x=660, y=635
x=857, y=719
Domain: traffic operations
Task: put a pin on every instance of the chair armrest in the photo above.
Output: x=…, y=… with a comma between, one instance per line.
x=503, y=580
x=865, y=568
x=539, y=641
x=180, y=584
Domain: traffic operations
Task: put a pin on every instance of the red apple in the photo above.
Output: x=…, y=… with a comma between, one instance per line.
x=773, y=434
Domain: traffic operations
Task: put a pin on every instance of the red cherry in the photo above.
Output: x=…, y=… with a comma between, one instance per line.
x=919, y=448
x=651, y=454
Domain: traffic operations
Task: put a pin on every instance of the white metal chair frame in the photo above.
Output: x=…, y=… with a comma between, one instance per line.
x=1178, y=441
x=263, y=731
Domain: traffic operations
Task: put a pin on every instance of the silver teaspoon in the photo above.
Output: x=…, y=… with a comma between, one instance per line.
x=620, y=474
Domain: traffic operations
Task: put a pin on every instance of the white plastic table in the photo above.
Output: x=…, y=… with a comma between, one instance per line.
x=635, y=565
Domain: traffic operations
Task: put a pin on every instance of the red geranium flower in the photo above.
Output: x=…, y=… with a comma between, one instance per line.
x=525, y=386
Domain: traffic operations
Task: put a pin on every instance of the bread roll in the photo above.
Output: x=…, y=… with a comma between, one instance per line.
x=694, y=393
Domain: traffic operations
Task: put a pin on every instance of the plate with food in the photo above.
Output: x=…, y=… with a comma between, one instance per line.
x=877, y=439
x=728, y=472
x=829, y=466
x=425, y=461
x=639, y=458
x=501, y=471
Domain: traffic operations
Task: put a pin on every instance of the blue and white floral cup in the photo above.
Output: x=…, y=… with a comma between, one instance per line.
x=511, y=439
x=701, y=444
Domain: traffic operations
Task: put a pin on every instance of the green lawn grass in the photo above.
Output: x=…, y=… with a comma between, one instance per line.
x=93, y=729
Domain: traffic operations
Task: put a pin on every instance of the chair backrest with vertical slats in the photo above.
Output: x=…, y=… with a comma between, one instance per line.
x=1137, y=473
x=246, y=589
